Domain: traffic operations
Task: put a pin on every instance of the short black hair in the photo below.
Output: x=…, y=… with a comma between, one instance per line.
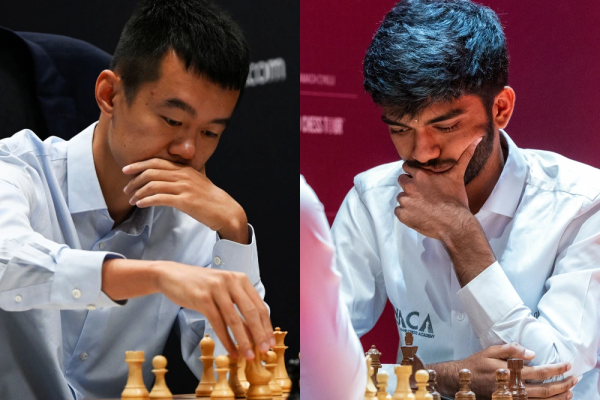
x=427, y=51
x=205, y=37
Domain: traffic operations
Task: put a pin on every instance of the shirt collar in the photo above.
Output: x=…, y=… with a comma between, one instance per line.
x=83, y=188
x=506, y=195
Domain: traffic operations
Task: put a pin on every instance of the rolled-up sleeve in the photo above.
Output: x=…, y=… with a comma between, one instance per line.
x=36, y=272
x=567, y=328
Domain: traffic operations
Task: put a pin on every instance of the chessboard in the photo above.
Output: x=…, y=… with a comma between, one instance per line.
x=223, y=377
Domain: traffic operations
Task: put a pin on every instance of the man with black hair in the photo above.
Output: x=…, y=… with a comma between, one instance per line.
x=485, y=250
x=125, y=210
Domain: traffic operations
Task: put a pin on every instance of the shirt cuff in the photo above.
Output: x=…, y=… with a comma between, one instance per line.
x=488, y=298
x=78, y=279
x=233, y=256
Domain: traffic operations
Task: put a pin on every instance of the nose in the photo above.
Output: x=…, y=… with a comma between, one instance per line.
x=184, y=147
x=425, y=147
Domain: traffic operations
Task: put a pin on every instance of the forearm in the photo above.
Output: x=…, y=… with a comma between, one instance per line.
x=468, y=249
x=124, y=279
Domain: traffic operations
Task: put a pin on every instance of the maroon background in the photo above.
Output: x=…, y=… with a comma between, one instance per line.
x=554, y=53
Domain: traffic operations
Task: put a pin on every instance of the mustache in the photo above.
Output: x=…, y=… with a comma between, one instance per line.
x=434, y=164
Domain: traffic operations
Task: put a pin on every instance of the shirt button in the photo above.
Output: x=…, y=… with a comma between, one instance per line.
x=76, y=293
x=460, y=316
x=91, y=307
x=218, y=260
x=18, y=298
x=83, y=356
x=102, y=245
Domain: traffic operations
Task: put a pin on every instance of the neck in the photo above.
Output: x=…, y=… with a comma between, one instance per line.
x=480, y=188
x=112, y=179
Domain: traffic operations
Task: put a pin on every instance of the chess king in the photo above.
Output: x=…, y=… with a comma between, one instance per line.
x=125, y=210
x=487, y=251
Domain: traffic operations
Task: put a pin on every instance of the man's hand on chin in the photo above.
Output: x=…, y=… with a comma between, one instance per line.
x=158, y=182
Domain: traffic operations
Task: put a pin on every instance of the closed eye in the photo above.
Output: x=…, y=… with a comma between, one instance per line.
x=172, y=122
x=210, y=134
x=449, y=128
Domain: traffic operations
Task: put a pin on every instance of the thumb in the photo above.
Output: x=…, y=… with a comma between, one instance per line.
x=511, y=350
x=465, y=158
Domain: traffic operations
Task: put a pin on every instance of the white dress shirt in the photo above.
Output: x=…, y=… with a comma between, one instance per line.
x=55, y=233
x=543, y=292
x=333, y=365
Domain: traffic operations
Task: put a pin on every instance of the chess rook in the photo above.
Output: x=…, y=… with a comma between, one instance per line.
x=222, y=390
x=160, y=389
x=280, y=371
x=375, y=363
x=502, y=393
x=515, y=386
x=207, y=382
x=403, y=391
x=465, y=392
x=135, y=387
x=234, y=377
x=431, y=385
x=422, y=377
x=382, y=378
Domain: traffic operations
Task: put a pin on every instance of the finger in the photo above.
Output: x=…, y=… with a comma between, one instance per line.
x=465, y=158
x=203, y=170
x=404, y=180
x=251, y=318
x=156, y=163
x=411, y=171
x=150, y=175
x=543, y=372
x=263, y=311
x=216, y=320
x=402, y=199
x=160, y=199
x=511, y=350
x=548, y=390
x=156, y=187
x=233, y=320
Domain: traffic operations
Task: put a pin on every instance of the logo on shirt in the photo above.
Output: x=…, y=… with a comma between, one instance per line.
x=413, y=323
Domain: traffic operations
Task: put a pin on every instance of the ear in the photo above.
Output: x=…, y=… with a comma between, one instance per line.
x=108, y=86
x=504, y=105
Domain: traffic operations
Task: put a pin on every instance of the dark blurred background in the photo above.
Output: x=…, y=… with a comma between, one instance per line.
x=257, y=161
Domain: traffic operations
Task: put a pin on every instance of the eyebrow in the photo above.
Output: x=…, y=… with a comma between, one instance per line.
x=449, y=115
x=182, y=105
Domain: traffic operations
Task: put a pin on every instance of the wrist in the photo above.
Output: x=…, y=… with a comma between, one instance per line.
x=157, y=270
x=236, y=227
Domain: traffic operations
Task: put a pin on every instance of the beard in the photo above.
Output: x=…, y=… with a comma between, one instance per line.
x=480, y=156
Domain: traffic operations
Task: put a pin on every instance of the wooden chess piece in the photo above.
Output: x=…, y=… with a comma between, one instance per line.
x=410, y=357
x=403, y=391
x=375, y=362
x=270, y=365
x=516, y=384
x=222, y=389
x=160, y=389
x=242, y=372
x=422, y=377
x=207, y=382
x=465, y=393
x=502, y=393
x=370, y=390
x=382, y=378
x=431, y=385
x=280, y=372
x=259, y=378
x=234, y=378
x=135, y=387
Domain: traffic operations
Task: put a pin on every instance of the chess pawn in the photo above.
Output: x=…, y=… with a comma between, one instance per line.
x=259, y=378
x=371, y=390
x=160, y=389
x=382, y=378
x=222, y=389
x=502, y=393
x=234, y=377
x=280, y=372
x=207, y=382
x=516, y=384
x=431, y=385
x=465, y=393
x=375, y=363
x=242, y=373
x=422, y=377
x=135, y=387
x=403, y=391
x=270, y=365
